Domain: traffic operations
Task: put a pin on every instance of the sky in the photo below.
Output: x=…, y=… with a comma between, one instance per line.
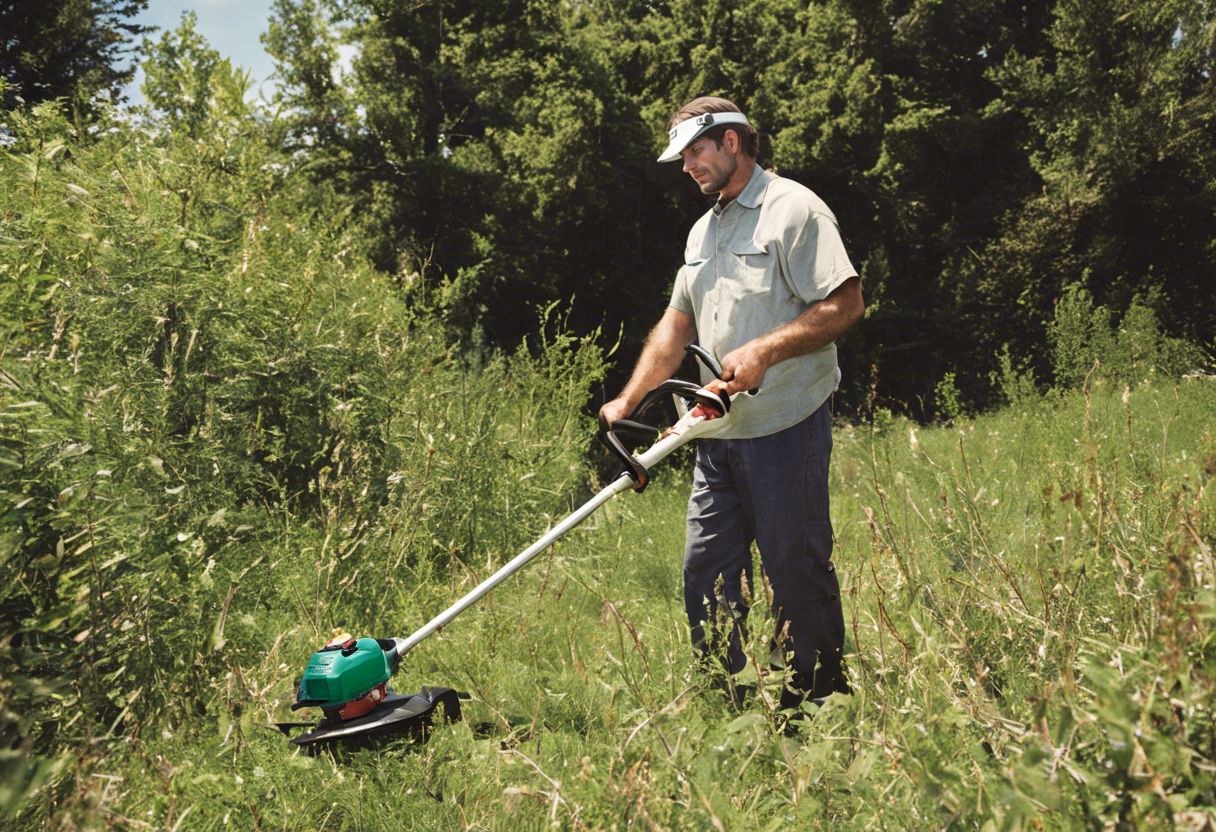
x=232, y=27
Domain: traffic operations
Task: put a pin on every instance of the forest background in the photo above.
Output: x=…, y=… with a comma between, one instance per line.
x=983, y=159
x=370, y=320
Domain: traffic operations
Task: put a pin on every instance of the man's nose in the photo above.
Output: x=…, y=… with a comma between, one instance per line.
x=687, y=160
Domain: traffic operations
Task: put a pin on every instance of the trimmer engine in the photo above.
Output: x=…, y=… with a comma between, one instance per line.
x=348, y=680
x=347, y=677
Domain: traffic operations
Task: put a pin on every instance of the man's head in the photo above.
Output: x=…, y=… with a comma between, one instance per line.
x=715, y=142
x=716, y=128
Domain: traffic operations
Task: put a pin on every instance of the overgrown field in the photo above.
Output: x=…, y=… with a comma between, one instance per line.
x=1031, y=607
x=221, y=436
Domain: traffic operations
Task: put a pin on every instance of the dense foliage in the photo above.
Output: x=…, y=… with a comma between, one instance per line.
x=207, y=401
x=66, y=49
x=982, y=157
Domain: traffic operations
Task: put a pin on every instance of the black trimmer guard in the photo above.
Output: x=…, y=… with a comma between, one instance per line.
x=397, y=715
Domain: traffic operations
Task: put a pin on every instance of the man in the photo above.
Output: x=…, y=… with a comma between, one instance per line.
x=767, y=287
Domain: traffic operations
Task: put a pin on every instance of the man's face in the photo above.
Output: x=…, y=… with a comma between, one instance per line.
x=710, y=165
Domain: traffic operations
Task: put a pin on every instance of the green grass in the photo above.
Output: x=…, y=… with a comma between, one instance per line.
x=1030, y=606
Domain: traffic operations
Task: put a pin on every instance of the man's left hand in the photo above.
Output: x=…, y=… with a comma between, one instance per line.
x=743, y=369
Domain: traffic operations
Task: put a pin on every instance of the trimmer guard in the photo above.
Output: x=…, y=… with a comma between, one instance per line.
x=398, y=714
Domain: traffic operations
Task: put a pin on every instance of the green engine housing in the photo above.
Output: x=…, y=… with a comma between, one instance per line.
x=337, y=675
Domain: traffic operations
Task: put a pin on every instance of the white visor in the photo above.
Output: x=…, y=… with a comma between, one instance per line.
x=684, y=133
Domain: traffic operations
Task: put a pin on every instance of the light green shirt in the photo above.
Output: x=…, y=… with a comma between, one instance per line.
x=751, y=266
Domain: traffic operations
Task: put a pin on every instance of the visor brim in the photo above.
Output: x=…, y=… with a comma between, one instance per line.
x=676, y=145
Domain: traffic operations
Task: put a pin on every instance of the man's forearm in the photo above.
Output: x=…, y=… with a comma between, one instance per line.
x=662, y=354
x=817, y=327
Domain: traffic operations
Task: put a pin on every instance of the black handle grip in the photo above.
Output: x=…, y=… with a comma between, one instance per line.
x=635, y=433
x=692, y=393
x=636, y=470
x=614, y=436
x=707, y=358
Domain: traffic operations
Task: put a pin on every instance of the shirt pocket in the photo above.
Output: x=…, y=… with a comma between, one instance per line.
x=698, y=281
x=697, y=278
x=741, y=295
x=752, y=266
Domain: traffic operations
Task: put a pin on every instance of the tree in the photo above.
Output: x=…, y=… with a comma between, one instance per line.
x=491, y=152
x=186, y=79
x=66, y=48
x=980, y=155
x=1121, y=110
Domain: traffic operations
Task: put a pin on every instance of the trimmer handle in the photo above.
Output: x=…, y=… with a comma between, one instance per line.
x=624, y=434
x=707, y=358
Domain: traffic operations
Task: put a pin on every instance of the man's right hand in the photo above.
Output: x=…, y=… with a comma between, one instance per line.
x=615, y=410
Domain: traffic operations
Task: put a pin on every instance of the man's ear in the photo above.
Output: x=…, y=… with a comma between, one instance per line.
x=732, y=141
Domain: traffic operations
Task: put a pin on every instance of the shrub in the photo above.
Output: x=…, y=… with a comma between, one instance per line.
x=1083, y=339
x=214, y=421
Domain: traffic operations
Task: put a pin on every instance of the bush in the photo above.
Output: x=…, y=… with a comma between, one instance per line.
x=214, y=422
x=1014, y=379
x=1084, y=340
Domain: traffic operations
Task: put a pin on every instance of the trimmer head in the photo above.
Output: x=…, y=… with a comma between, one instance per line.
x=348, y=680
x=396, y=715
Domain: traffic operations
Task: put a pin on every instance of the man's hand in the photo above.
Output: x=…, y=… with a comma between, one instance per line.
x=821, y=324
x=743, y=369
x=661, y=356
x=618, y=408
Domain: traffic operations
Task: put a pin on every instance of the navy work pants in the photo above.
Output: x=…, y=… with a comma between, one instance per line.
x=773, y=490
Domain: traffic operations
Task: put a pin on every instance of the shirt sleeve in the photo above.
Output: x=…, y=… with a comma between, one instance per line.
x=681, y=301
x=815, y=260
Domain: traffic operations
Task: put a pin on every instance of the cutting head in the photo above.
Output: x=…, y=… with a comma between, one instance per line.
x=348, y=680
x=397, y=715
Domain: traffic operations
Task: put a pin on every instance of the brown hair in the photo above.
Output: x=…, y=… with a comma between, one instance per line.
x=749, y=139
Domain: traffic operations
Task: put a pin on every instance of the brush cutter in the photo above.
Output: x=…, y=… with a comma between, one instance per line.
x=348, y=678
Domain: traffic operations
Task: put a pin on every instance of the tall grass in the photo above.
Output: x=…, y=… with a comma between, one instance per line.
x=215, y=425
x=1030, y=598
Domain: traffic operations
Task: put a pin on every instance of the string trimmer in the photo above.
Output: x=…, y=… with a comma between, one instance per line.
x=348, y=678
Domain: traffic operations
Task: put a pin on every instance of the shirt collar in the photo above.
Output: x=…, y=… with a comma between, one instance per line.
x=752, y=195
